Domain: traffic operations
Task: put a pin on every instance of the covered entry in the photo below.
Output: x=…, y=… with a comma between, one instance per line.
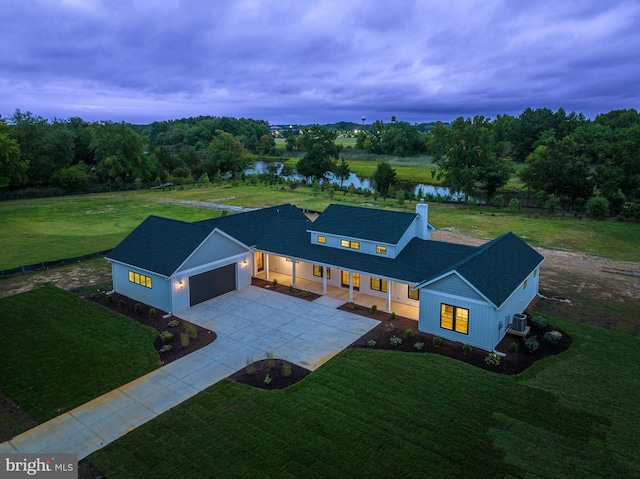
x=213, y=283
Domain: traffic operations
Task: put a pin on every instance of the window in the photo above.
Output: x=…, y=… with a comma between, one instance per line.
x=322, y=239
x=535, y=273
x=318, y=271
x=355, y=280
x=378, y=284
x=413, y=293
x=350, y=244
x=524, y=285
x=140, y=279
x=381, y=249
x=454, y=318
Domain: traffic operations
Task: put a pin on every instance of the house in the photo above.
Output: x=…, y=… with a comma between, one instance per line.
x=463, y=293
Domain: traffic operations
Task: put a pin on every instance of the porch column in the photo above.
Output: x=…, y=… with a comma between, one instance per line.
x=324, y=280
x=350, y=287
x=266, y=265
x=293, y=272
x=389, y=296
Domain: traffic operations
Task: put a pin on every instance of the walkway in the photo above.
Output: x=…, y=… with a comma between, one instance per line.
x=249, y=323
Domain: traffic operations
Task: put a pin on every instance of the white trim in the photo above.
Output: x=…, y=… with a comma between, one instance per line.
x=138, y=268
x=455, y=296
x=425, y=284
x=214, y=265
x=197, y=248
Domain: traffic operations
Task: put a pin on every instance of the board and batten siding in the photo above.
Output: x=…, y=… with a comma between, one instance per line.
x=215, y=248
x=453, y=284
x=158, y=296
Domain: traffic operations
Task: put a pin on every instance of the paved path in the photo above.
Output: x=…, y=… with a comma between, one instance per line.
x=249, y=324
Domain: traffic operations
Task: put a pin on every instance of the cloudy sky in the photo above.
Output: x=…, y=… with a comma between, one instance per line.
x=297, y=61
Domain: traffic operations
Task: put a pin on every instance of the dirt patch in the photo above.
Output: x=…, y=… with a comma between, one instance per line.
x=288, y=290
x=187, y=337
x=270, y=374
x=513, y=362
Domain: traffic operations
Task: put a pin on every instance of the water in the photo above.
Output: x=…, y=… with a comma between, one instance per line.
x=364, y=183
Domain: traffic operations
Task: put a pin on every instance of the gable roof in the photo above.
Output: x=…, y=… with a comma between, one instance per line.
x=365, y=223
x=160, y=245
x=497, y=268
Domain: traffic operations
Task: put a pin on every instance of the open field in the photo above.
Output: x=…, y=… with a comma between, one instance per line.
x=387, y=414
x=32, y=231
x=61, y=351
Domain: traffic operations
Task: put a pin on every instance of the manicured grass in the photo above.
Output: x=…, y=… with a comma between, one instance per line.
x=385, y=414
x=60, y=351
x=33, y=231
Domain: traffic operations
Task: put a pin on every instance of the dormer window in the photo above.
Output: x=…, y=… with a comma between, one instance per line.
x=322, y=239
x=350, y=244
x=381, y=249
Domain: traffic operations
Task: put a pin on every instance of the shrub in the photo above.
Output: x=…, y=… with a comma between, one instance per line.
x=371, y=343
x=121, y=303
x=267, y=379
x=137, y=308
x=190, y=329
x=374, y=309
x=553, y=337
x=290, y=288
x=419, y=345
x=392, y=316
x=351, y=305
x=466, y=349
x=166, y=336
x=538, y=322
x=110, y=298
x=409, y=333
x=598, y=207
x=173, y=323
x=514, y=205
x=166, y=348
x=513, y=347
x=437, y=341
x=274, y=283
x=390, y=327
x=531, y=344
x=152, y=313
x=286, y=369
x=552, y=204
x=251, y=366
x=184, y=340
x=395, y=341
x=305, y=294
x=270, y=361
x=492, y=359
x=498, y=201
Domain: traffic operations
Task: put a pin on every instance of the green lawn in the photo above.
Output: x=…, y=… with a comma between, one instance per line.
x=384, y=414
x=33, y=231
x=60, y=351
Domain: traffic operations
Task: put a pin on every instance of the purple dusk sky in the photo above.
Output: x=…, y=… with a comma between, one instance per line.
x=292, y=61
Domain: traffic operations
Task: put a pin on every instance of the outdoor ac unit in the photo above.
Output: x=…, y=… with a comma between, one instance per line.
x=519, y=322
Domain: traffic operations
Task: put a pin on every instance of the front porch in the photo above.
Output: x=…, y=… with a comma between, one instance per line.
x=400, y=309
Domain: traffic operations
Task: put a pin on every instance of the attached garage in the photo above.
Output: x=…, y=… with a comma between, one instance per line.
x=211, y=284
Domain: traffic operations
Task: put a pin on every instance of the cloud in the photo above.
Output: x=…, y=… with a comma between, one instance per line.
x=292, y=61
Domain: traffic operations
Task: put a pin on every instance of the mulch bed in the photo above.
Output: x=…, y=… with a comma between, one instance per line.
x=285, y=289
x=159, y=323
x=280, y=377
x=512, y=363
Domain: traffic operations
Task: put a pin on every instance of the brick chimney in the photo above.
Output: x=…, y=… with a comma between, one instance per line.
x=422, y=230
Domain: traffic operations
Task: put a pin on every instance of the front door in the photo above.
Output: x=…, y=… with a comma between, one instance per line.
x=355, y=278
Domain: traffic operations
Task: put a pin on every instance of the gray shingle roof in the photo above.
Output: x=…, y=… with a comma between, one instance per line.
x=159, y=244
x=365, y=223
x=495, y=269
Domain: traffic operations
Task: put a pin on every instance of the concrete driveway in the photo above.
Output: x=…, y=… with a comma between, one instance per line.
x=250, y=323
x=254, y=322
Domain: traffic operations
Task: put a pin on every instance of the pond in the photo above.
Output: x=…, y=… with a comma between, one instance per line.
x=364, y=183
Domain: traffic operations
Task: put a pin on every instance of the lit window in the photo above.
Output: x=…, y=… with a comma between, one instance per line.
x=140, y=279
x=524, y=285
x=413, y=293
x=350, y=244
x=454, y=318
x=378, y=284
x=322, y=239
x=381, y=249
x=319, y=270
x=535, y=273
